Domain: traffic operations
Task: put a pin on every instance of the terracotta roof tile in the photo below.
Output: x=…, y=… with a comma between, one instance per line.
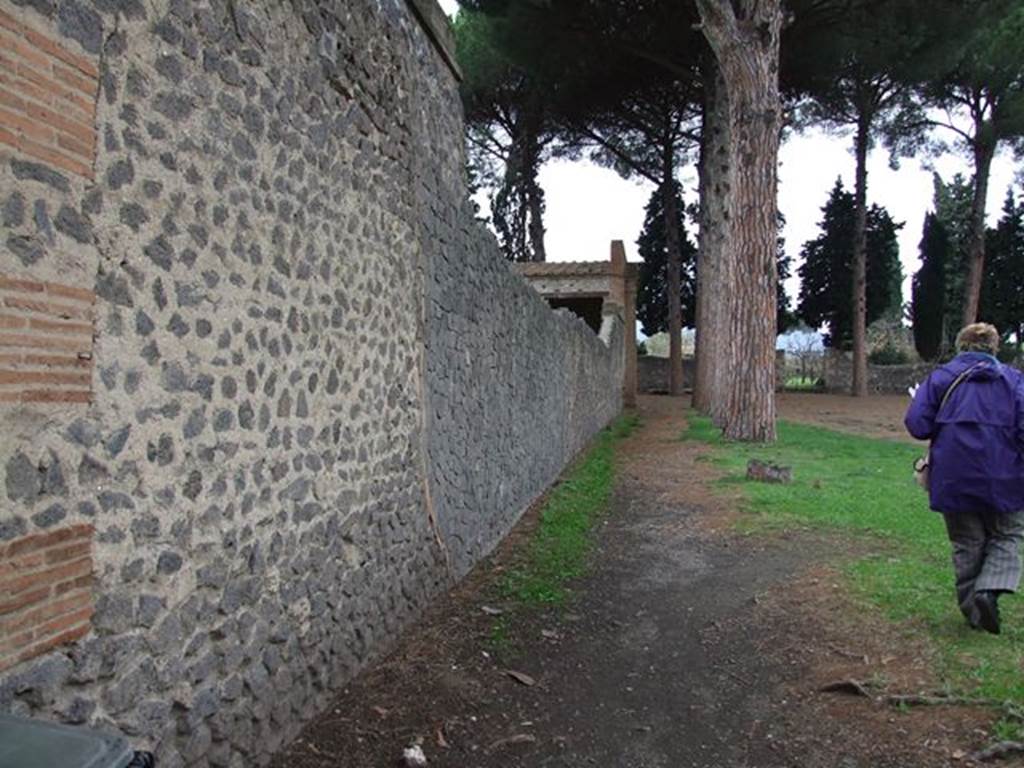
x=563, y=268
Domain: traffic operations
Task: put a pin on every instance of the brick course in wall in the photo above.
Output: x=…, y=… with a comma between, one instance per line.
x=45, y=592
x=47, y=98
x=45, y=342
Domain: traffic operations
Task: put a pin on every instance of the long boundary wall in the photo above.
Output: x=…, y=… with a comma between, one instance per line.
x=266, y=386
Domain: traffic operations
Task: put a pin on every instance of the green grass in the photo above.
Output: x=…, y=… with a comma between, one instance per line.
x=802, y=383
x=863, y=487
x=561, y=545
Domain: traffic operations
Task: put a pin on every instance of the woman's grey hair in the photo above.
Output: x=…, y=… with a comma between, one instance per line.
x=978, y=337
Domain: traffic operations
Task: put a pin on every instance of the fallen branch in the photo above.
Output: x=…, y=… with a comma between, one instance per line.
x=851, y=687
x=999, y=751
x=917, y=699
x=856, y=688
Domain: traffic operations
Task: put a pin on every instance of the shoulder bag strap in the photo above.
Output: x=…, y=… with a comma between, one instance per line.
x=964, y=375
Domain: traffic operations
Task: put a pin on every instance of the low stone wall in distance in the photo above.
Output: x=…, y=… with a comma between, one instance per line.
x=652, y=374
x=882, y=379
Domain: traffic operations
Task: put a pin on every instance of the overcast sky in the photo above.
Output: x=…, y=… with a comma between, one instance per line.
x=589, y=206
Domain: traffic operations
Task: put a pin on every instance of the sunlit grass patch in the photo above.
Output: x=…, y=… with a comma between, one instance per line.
x=562, y=542
x=863, y=487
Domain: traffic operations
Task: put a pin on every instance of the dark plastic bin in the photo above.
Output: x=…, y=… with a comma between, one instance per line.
x=37, y=744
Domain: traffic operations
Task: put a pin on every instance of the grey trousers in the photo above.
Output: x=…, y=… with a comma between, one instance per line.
x=986, y=553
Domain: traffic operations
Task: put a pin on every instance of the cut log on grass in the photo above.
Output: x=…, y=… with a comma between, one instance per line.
x=764, y=472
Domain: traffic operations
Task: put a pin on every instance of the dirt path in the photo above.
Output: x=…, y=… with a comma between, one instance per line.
x=686, y=646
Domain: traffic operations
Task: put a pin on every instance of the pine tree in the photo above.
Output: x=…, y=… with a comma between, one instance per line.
x=928, y=297
x=652, y=283
x=744, y=37
x=852, y=73
x=508, y=133
x=826, y=273
x=969, y=73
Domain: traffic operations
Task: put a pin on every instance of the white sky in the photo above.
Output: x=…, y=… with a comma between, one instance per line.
x=589, y=206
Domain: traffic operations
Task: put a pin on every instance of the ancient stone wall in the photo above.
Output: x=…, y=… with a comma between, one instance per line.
x=514, y=391
x=653, y=374
x=265, y=385
x=882, y=379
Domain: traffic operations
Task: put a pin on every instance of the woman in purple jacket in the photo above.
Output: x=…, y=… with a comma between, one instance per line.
x=972, y=411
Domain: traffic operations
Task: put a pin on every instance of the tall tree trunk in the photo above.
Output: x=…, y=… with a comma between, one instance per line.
x=700, y=399
x=674, y=269
x=535, y=202
x=747, y=51
x=713, y=180
x=984, y=150
x=859, y=298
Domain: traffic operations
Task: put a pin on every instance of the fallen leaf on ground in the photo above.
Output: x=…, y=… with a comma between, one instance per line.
x=519, y=738
x=521, y=677
x=492, y=611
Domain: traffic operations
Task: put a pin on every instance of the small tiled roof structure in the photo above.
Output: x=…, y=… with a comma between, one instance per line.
x=612, y=281
x=551, y=268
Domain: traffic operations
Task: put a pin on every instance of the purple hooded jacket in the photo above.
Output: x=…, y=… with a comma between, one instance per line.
x=977, y=441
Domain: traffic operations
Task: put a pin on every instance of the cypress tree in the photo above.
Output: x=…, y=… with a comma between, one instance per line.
x=1002, y=292
x=826, y=274
x=652, y=282
x=928, y=292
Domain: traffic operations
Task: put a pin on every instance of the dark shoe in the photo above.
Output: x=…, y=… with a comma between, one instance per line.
x=986, y=601
x=972, y=619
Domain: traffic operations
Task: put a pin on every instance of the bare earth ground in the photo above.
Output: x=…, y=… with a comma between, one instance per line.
x=876, y=416
x=685, y=646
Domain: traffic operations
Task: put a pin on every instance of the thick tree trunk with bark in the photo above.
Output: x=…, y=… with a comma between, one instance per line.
x=714, y=172
x=674, y=269
x=983, y=153
x=744, y=36
x=859, y=296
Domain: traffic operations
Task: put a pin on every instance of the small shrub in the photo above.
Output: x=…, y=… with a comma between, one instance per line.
x=889, y=354
x=804, y=383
